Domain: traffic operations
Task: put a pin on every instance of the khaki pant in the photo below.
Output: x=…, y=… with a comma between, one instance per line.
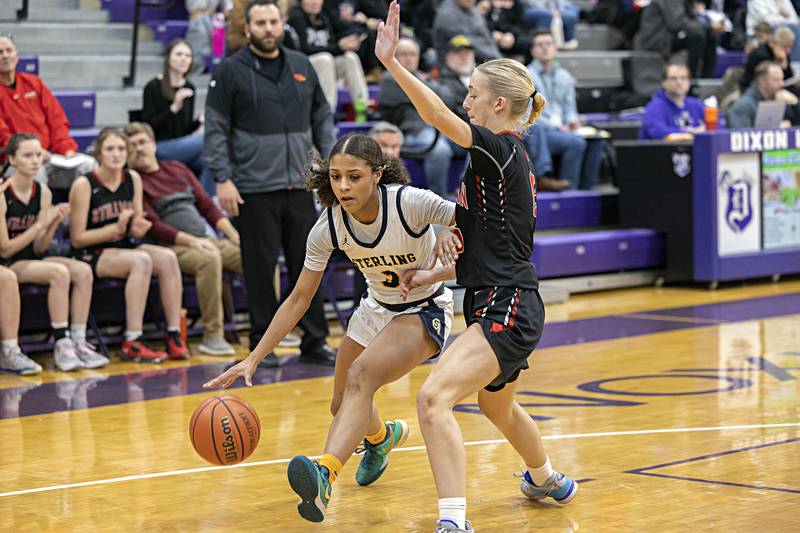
x=206, y=267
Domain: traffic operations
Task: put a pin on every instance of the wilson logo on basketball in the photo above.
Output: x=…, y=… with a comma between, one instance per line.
x=231, y=454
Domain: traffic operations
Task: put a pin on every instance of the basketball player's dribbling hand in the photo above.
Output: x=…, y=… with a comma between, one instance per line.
x=245, y=369
x=388, y=34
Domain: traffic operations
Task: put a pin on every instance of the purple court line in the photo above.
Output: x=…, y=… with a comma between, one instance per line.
x=644, y=471
x=118, y=389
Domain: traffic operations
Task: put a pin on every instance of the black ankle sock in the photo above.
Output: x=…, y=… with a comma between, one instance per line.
x=60, y=333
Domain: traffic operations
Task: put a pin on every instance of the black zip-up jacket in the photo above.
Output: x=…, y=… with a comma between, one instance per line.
x=260, y=133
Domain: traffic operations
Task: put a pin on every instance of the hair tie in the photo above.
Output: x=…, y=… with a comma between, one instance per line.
x=534, y=93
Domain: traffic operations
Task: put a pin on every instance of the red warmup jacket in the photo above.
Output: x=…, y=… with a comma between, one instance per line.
x=30, y=107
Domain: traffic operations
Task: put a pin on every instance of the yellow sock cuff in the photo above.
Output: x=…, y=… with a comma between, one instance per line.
x=378, y=437
x=333, y=465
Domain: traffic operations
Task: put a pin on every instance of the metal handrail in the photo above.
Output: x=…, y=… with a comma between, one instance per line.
x=130, y=79
x=22, y=12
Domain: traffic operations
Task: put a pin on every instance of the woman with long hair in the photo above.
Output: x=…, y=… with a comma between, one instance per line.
x=384, y=228
x=169, y=108
x=496, y=215
x=28, y=223
x=106, y=222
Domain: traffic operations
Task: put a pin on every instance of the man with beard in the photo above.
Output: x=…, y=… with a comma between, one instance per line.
x=265, y=113
x=453, y=81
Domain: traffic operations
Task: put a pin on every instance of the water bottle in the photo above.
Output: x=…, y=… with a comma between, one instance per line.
x=218, y=35
x=360, y=109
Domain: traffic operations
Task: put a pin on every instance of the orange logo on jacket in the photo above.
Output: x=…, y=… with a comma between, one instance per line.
x=299, y=77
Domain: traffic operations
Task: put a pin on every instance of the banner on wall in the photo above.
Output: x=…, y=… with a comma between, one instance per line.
x=780, y=184
x=738, y=203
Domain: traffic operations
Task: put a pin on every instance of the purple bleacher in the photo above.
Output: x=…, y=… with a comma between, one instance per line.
x=84, y=137
x=343, y=95
x=728, y=58
x=29, y=64
x=416, y=169
x=346, y=128
x=122, y=11
x=596, y=252
x=164, y=31
x=575, y=209
x=79, y=107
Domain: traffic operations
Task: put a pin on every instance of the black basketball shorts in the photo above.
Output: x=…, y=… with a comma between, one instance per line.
x=512, y=320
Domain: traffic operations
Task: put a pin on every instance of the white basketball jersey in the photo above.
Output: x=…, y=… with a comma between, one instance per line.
x=400, y=238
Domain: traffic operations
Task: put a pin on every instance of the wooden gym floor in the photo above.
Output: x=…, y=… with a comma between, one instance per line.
x=676, y=407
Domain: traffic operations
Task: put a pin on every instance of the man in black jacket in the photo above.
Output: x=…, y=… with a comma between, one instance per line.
x=265, y=112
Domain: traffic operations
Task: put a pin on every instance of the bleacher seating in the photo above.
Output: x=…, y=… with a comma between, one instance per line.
x=578, y=233
x=596, y=252
x=79, y=106
x=28, y=63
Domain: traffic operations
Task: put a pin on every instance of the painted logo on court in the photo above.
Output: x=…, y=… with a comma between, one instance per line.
x=738, y=200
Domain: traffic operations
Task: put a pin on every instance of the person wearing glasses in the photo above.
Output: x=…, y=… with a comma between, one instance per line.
x=671, y=114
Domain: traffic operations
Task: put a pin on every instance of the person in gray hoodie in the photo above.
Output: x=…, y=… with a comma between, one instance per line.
x=265, y=113
x=459, y=17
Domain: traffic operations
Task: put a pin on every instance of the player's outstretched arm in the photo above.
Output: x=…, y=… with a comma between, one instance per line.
x=427, y=103
x=287, y=317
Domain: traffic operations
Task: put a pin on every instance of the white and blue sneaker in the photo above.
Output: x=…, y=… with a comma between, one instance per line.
x=446, y=526
x=558, y=486
x=13, y=360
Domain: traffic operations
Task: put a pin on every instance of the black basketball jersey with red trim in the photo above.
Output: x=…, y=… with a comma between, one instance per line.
x=496, y=213
x=20, y=216
x=106, y=205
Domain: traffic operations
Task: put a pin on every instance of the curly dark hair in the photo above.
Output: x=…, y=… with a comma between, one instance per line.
x=362, y=147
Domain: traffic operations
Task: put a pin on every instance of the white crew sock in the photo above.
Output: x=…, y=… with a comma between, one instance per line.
x=453, y=510
x=541, y=474
x=78, y=332
x=131, y=335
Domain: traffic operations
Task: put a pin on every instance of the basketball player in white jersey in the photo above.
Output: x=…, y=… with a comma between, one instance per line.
x=384, y=227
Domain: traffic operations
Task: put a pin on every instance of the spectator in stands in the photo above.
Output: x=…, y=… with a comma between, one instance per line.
x=456, y=17
x=179, y=208
x=418, y=15
x=257, y=145
x=559, y=122
x=169, y=108
x=200, y=30
x=395, y=107
x=28, y=223
x=454, y=75
x=363, y=17
x=388, y=136
x=106, y=222
x=539, y=14
x=776, y=49
x=505, y=19
x=331, y=50
x=28, y=106
x=777, y=13
x=767, y=86
x=12, y=359
x=668, y=26
x=671, y=114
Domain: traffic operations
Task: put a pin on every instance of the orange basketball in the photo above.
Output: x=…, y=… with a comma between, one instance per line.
x=224, y=430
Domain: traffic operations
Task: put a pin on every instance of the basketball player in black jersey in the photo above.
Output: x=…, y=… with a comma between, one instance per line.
x=28, y=222
x=106, y=221
x=504, y=313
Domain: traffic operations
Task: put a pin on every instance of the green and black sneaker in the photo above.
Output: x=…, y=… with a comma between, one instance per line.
x=376, y=456
x=310, y=481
